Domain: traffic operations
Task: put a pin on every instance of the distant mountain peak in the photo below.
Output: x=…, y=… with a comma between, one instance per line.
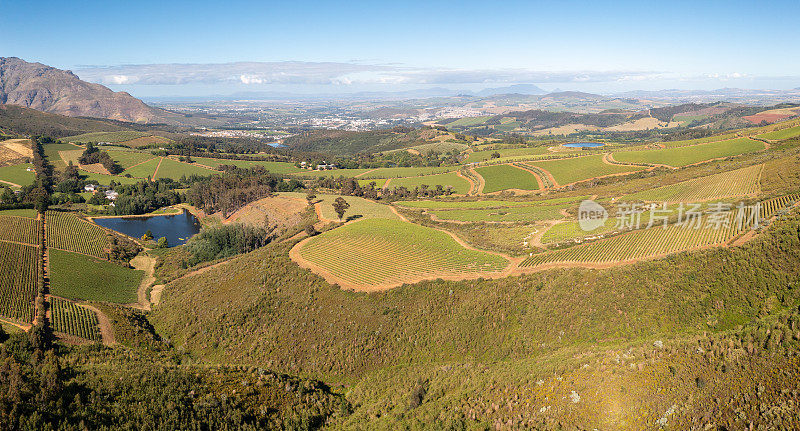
x=45, y=88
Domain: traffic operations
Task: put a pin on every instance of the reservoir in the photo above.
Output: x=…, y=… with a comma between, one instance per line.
x=177, y=228
x=584, y=144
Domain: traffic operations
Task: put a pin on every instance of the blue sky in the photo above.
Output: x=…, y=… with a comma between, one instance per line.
x=589, y=45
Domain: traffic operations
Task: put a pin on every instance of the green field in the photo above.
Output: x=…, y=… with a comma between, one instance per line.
x=19, y=229
x=458, y=185
x=504, y=177
x=66, y=231
x=401, y=172
x=689, y=155
x=689, y=142
x=145, y=170
x=18, y=278
x=439, y=147
x=359, y=207
x=79, y=277
x=29, y=213
x=106, y=179
x=336, y=173
x=51, y=150
x=468, y=122
x=173, y=169
x=571, y=229
x=637, y=244
x=73, y=319
x=479, y=156
x=379, y=182
x=740, y=182
x=511, y=214
x=274, y=167
x=780, y=135
x=567, y=171
x=126, y=159
x=115, y=137
x=487, y=203
x=18, y=174
x=381, y=251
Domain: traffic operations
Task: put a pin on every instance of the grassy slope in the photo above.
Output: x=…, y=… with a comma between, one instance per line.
x=451, y=334
x=504, y=177
x=75, y=276
x=512, y=214
x=173, y=169
x=126, y=159
x=479, y=156
x=779, y=135
x=274, y=167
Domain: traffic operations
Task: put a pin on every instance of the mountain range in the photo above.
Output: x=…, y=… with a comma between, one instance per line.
x=45, y=88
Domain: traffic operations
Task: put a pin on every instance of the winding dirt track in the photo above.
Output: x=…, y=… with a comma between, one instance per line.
x=147, y=264
x=472, y=187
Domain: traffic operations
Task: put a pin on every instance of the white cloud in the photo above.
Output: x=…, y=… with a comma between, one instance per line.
x=331, y=73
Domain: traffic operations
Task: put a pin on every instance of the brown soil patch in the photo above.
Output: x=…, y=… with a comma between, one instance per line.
x=473, y=188
x=147, y=264
x=96, y=168
x=282, y=211
x=14, y=151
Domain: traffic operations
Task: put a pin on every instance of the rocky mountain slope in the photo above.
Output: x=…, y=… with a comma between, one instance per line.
x=45, y=88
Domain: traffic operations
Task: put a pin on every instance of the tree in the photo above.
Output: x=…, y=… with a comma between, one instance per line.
x=310, y=230
x=147, y=235
x=162, y=243
x=340, y=206
x=310, y=196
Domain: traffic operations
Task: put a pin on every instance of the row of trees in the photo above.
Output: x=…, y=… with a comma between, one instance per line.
x=236, y=188
x=351, y=187
x=92, y=155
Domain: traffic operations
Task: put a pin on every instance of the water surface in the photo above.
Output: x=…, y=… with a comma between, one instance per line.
x=177, y=228
x=584, y=144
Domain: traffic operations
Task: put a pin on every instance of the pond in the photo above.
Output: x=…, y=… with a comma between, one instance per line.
x=584, y=144
x=177, y=228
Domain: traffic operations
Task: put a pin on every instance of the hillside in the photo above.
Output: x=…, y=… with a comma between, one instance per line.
x=45, y=88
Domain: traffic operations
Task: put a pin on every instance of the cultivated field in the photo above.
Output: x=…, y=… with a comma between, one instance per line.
x=145, y=169
x=79, y=277
x=126, y=159
x=505, y=177
x=113, y=137
x=19, y=229
x=73, y=319
x=379, y=252
x=17, y=174
x=780, y=135
x=567, y=171
x=66, y=231
x=18, y=278
x=400, y=172
x=174, y=169
x=274, y=167
x=529, y=214
x=451, y=179
x=684, y=156
x=479, y=156
x=741, y=182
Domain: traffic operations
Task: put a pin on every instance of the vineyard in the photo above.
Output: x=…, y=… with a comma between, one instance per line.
x=657, y=241
x=567, y=171
x=452, y=180
x=378, y=252
x=66, y=231
x=72, y=319
x=638, y=244
x=780, y=135
x=774, y=206
x=741, y=182
x=683, y=156
x=530, y=213
x=541, y=173
x=504, y=177
x=19, y=229
x=18, y=278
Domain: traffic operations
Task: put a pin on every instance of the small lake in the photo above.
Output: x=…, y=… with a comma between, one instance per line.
x=584, y=144
x=176, y=228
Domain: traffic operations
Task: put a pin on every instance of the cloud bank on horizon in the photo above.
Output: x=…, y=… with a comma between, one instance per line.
x=353, y=77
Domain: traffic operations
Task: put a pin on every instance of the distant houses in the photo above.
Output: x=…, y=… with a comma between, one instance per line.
x=324, y=166
x=109, y=194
